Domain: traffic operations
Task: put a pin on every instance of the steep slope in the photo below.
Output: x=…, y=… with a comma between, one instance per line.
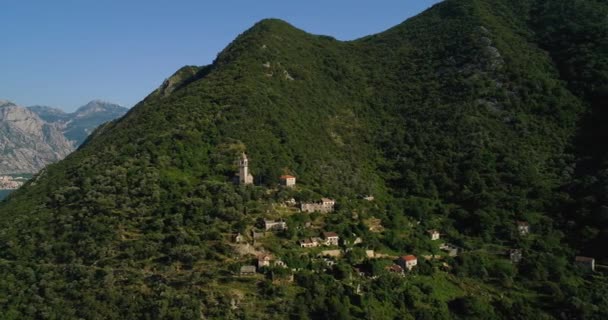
x=27, y=143
x=458, y=119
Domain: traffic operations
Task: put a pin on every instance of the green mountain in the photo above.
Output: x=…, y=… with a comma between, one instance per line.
x=468, y=118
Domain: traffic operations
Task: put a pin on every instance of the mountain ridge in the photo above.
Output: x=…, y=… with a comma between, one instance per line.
x=36, y=136
x=455, y=120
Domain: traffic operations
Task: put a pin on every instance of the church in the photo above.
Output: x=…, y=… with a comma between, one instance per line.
x=244, y=177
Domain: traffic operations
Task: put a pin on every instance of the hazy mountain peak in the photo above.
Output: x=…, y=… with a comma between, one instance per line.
x=6, y=103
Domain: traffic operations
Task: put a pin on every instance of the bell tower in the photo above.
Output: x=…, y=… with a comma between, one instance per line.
x=244, y=176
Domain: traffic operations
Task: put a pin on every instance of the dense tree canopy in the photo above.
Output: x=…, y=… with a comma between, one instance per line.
x=467, y=118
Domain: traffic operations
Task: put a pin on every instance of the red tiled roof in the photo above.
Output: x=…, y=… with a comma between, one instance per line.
x=329, y=234
x=409, y=258
x=285, y=177
x=522, y=223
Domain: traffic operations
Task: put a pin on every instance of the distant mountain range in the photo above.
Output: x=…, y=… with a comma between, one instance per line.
x=32, y=137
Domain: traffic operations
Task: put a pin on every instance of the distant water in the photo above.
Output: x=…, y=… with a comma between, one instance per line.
x=4, y=193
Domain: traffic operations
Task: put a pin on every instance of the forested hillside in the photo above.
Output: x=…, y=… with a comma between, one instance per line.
x=481, y=119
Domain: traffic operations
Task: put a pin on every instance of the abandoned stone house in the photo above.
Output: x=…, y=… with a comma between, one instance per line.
x=515, y=255
x=287, y=181
x=331, y=238
x=275, y=225
x=523, y=228
x=326, y=205
x=264, y=260
x=395, y=268
x=280, y=263
x=450, y=249
x=238, y=238
x=247, y=270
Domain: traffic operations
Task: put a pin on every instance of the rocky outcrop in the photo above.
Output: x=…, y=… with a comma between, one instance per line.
x=31, y=138
x=77, y=126
x=28, y=143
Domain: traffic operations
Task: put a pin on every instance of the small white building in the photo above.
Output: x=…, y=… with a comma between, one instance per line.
x=275, y=225
x=434, y=234
x=331, y=238
x=408, y=262
x=288, y=181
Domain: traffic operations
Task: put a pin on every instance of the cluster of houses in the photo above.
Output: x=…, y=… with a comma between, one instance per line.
x=326, y=205
x=8, y=183
x=263, y=261
x=329, y=239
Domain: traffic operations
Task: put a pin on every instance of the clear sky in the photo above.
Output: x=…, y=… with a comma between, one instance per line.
x=64, y=53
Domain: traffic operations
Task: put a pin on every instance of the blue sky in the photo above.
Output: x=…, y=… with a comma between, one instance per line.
x=64, y=53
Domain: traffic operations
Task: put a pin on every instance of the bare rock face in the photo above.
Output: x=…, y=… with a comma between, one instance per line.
x=27, y=143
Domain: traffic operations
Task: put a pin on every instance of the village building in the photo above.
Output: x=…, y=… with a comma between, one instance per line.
x=244, y=176
x=238, y=238
x=331, y=238
x=280, y=264
x=408, y=262
x=264, y=260
x=395, y=268
x=288, y=181
x=450, y=249
x=247, y=270
x=328, y=262
x=291, y=202
x=308, y=243
x=434, y=234
x=257, y=235
x=585, y=263
x=326, y=205
x=523, y=228
x=370, y=254
x=275, y=225
x=515, y=255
